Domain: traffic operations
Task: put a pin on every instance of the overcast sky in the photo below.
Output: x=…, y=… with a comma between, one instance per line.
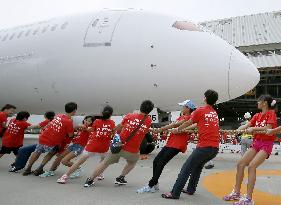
x=17, y=12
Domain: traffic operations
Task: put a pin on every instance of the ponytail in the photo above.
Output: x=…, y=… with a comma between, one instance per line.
x=107, y=112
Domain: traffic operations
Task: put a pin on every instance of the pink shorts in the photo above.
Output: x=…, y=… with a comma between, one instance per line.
x=266, y=146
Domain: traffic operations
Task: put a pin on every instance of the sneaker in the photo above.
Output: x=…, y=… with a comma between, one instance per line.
x=101, y=177
x=244, y=201
x=209, y=166
x=14, y=169
x=63, y=179
x=89, y=182
x=120, y=181
x=76, y=173
x=27, y=172
x=47, y=174
x=146, y=189
x=233, y=196
x=143, y=157
x=38, y=172
x=187, y=192
x=156, y=187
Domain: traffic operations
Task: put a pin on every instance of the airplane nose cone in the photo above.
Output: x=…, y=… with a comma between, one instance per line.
x=243, y=75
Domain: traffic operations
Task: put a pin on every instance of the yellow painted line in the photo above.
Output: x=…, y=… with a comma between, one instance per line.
x=221, y=184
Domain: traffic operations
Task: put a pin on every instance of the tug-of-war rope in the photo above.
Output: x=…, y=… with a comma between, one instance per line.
x=231, y=132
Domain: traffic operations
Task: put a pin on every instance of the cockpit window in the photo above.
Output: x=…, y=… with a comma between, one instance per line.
x=185, y=25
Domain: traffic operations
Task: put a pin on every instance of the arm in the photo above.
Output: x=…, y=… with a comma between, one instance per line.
x=183, y=126
x=244, y=127
x=257, y=129
x=33, y=127
x=172, y=125
x=273, y=131
x=191, y=127
x=4, y=125
x=70, y=135
x=117, y=128
x=80, y=128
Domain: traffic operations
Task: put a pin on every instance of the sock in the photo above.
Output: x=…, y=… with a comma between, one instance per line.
x=247, y=197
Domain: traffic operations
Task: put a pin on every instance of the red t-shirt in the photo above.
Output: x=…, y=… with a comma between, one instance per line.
x=179, y=141
x=3, y=119
x=13, y=136
x=43, y=124
x=99, y=139
x=81, y=137
x=208, y=126
x=56, y=131
x=262, y=120
x=66, y=141
x=130, y=123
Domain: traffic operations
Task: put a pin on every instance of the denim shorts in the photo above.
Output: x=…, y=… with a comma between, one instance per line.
x=77, y=149
x=40, y=148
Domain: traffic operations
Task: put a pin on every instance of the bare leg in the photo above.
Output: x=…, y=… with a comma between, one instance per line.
x=129, y=166
x=242, y=163
x=58, y=160
x=99, y=169
x=56, y=163
x=66, y=161
x=33, y=158
x=77, y=164
x=257, y=161
x=102, y=157
x=45, y=160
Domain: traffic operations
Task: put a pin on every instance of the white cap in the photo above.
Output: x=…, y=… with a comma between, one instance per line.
x=188, y=103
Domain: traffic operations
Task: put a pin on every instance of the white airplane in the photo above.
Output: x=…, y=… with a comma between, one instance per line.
x=117, y=57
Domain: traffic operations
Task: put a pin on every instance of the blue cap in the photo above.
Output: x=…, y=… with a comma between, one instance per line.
x=188, y=103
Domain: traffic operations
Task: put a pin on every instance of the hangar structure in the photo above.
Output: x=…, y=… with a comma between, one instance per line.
x=257, y=36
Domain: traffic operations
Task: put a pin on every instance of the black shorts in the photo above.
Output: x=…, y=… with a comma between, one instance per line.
x=8, y=150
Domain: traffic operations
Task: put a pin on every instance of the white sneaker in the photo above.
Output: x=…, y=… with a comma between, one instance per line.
x=244, y=201
x=63, y=179
x=156, y=187
x=146, y=189
x=101, y=177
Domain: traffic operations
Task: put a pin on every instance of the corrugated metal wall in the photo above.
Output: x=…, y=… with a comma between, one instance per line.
x=266, y=61
x=252, y=30
x=248, y=30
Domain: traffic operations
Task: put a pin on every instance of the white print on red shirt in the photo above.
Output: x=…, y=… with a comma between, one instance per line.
x=13, y=128
x=56, y=124
x=211, y=117
x=261, y=124
x=133, y=124
x=103, y=131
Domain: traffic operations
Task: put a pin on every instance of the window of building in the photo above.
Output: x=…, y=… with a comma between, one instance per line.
x=45, y=29
x=184, y=25
x=54, y=27
x=278, y=52
x=273, y=90
x=12, y=36
x=260, y=90
x=36, y=31
x=20, y=34
x=5, y=37
x=28, y=32
x=63, y=26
